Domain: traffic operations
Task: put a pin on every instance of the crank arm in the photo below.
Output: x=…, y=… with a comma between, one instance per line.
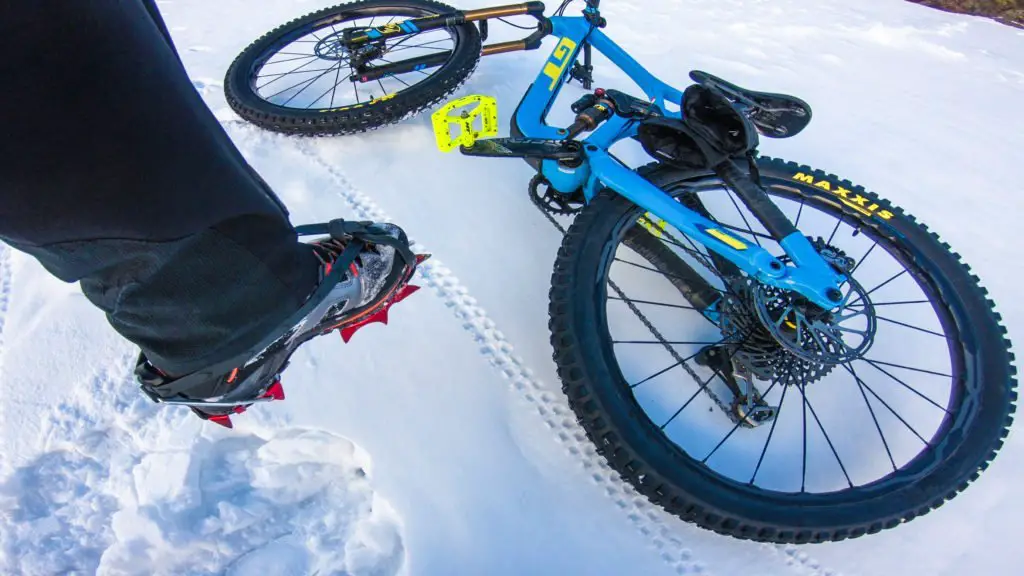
x=560, y=150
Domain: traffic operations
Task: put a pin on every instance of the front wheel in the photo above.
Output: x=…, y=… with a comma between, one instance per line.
x=302, y=79
x=841, y=445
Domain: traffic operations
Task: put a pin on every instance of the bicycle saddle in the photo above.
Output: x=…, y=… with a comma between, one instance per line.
x=774, y=115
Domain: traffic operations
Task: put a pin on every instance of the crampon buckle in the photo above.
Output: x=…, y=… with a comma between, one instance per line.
x=462, y=114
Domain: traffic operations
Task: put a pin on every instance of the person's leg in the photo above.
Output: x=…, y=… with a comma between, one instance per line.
x=114, y=173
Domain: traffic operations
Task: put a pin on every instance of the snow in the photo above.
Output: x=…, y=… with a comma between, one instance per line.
x=441, y=444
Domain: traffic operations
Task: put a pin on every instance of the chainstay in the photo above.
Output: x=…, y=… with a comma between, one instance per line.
x=727, y=409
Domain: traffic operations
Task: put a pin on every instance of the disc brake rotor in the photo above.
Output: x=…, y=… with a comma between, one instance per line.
x=812, y=334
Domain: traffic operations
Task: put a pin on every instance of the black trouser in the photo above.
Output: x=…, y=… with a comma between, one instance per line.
x=114, y=173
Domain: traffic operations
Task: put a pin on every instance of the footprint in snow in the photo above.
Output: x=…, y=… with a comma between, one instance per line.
x=298, y=502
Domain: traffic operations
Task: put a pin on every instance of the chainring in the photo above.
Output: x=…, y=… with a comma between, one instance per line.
x=552, y=201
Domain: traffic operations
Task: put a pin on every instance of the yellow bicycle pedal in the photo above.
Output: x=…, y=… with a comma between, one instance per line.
x=462, y=114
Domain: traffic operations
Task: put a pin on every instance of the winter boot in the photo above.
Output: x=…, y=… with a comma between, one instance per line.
x=365, y=270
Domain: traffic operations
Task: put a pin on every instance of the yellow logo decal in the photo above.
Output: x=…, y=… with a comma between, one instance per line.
x=389, y=29
x=727, y=239
x=559, y=60
x=652, y=223
x=852, y=199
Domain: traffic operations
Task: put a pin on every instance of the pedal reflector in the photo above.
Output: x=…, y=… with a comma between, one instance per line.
x=461, y=114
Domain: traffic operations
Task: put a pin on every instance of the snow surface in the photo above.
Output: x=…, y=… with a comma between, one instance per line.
x=440, y=444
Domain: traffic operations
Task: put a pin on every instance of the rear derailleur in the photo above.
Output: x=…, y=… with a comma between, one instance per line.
x=747, y=408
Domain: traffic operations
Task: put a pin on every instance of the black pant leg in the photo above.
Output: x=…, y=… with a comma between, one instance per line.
x=114, y=173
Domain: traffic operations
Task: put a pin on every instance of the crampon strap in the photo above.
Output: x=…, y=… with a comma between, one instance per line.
x=358, y=235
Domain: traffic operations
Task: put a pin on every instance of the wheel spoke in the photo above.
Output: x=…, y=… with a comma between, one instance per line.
x=390, y=50
x=863, y=258
x=860, y=297
x=878, y=426
x=907, y=386
x=803, y=474
x=896, y=414
x=332, y=89
x=695, y=394
x=303, y=57
x=285, y=74
x=799, y=213
x=744, y=231
x=900, y=303
x=337, y=80
x=660, y=342
x=303, y=72
x=308, y=84
x=834, y=230
x=749, y=229
x=635, y=301
x=768, y=440
x=918, y=328
x=293, y=54
x=906, y=367
x=807, y=405
x=677, y=363
x=656, y=271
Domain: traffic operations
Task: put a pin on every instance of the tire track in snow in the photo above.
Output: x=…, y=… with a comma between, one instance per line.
x=6, y=281
x=553, y=408
x=5, y=292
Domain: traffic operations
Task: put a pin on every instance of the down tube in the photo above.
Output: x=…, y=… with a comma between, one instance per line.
x=752, y=259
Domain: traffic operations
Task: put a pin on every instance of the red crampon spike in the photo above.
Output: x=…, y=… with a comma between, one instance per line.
x=275, y=391
x=380, y=315
x=403, y=293
x=222, y=419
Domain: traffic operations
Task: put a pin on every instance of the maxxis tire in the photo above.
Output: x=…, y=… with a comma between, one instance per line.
x=356, y=118
x=660, y=471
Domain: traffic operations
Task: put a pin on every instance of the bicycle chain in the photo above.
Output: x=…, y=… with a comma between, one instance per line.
x=654, y=331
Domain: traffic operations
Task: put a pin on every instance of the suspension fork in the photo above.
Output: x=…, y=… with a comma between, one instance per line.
x=356, y=38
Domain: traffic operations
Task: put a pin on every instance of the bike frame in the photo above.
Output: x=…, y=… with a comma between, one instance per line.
x=808, y=274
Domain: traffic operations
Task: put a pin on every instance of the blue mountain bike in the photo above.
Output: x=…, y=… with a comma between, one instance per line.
x=761, y=348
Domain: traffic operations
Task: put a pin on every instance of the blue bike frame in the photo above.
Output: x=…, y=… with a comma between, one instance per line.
x=807, y=274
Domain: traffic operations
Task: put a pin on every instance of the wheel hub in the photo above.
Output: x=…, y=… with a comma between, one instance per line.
x=787, y=338
x=335, y=47
x=759, y=352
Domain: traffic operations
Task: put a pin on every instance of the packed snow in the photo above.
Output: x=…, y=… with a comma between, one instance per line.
x=440, y=444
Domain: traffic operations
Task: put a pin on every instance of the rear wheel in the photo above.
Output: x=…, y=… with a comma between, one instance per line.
x=301, y=79
x=875, y=436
